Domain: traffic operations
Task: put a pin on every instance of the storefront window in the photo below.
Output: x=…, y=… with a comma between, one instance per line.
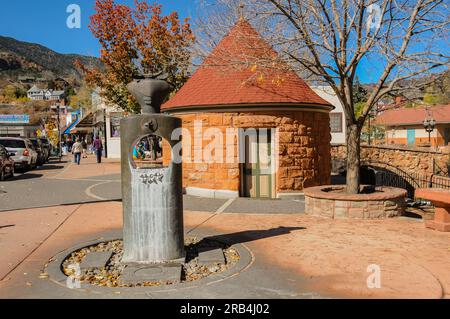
x=115, y=124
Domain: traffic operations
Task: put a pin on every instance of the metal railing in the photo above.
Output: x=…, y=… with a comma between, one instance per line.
x=388, y=175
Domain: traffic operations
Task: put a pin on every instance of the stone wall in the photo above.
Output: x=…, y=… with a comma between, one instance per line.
x=304, y=149
x=330, y=202
x=408, y=159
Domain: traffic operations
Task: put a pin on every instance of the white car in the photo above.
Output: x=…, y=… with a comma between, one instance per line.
x=22, y=151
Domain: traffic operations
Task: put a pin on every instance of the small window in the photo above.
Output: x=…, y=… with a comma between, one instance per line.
x=336, y=122
x=115, y=124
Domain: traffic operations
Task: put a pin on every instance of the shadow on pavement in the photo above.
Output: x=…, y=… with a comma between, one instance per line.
x=250, y=235
x=49, y=167
x=94, y=201
x=25, y=176
x=6, y=226
x=57, y=161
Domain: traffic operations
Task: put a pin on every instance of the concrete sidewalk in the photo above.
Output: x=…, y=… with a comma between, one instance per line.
x=88, y=168
x=309, y=257
x=294, y=255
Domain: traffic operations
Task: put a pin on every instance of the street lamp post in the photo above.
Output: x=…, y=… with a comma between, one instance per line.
x=106, y=134
x=429, y=124
x=58, y=107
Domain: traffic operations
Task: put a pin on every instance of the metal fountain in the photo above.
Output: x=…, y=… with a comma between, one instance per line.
x=152, y=197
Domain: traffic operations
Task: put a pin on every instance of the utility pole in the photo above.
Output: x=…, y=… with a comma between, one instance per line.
x=372, y=114
x=106, y=134
x=59, y=133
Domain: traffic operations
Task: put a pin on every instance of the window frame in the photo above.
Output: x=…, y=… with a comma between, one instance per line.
x=341, y=119
x=117, y=115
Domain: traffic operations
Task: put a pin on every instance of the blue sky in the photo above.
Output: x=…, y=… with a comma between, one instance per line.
x=44, y=22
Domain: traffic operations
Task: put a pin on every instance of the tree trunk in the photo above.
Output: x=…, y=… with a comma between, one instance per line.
x=353, y=158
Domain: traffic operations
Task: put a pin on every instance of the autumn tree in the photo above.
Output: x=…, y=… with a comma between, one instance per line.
x=390, y=41
x=82, y=98
x=13, y=94
x=135, y=41
x=438, y=92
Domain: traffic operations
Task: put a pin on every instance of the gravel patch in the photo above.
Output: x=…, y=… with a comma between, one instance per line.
x=110, y=275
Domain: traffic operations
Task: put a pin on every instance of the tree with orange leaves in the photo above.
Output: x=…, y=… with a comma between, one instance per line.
x=137, y=41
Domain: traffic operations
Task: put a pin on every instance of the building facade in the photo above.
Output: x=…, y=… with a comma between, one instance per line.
x=337, y=116
x=37, y=94
x=107, y=125
x=404, y=126
x=268, y=138
x=18, y=125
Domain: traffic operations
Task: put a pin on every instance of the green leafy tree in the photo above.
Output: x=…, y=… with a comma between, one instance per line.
x=438, y=92
x=359, y=107
x=360, y=94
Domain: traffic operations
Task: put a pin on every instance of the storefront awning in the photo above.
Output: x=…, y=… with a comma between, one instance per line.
x=70, y=127
x=86, y=124
x=81, y=130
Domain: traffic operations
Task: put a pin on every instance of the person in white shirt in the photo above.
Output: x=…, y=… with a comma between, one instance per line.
x=77, y=150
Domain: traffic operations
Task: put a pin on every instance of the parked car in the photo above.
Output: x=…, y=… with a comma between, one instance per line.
x=22, y=152
x=6, y=164
x=41, y=151
x=47, y=146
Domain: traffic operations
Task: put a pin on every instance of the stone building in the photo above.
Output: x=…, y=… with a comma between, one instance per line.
x=229, y=102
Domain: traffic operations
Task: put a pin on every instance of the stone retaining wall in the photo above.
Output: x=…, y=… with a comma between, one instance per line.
x=407, y=159
x=387, y=202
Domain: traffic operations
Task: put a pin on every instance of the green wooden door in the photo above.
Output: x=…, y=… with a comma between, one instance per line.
x=258, y=167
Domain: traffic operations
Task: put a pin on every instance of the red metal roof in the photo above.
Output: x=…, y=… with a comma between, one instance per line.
x=233, y=75
x=413, y=116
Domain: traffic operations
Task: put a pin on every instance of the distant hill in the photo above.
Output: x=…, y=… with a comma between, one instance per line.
x=19, y=58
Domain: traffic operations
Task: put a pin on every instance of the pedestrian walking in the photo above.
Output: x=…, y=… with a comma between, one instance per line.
x=98, y=146
x=77, y=150
x=84, y=148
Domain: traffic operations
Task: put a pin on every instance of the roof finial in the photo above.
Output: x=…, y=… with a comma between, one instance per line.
x=241, y=10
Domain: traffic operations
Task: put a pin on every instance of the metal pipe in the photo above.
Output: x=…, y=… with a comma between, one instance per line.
x=106, y=134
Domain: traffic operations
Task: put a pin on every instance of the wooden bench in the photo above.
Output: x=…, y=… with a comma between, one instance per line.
x=441, y=201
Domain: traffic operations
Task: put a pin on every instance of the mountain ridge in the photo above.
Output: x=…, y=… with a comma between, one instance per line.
x=26, y=58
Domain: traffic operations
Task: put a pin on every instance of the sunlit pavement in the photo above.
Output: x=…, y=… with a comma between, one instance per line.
x=60, y=183
x=294, y=255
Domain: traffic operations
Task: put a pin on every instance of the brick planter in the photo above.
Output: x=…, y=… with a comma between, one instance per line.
x=327, y=201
